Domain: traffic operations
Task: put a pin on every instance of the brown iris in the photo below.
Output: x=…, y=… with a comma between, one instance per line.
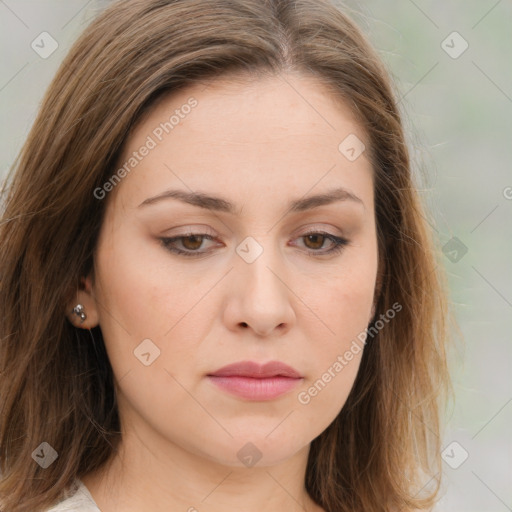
x=196, y=241
x=317, y=239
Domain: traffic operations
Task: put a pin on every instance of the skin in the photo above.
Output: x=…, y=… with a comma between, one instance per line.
x=259, y=144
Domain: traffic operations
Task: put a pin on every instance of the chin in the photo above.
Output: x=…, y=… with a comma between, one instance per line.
x=257, y=449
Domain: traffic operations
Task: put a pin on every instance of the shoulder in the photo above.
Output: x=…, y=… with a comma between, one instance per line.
x=79, y=499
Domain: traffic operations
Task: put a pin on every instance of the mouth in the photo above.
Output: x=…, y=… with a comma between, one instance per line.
x=252, y=381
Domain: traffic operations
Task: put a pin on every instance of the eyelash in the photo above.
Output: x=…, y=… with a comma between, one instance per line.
x=339, y=244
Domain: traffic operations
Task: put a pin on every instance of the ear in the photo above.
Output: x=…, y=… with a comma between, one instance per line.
x=85, y=297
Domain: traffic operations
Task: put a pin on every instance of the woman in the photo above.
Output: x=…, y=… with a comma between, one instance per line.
x=218, y=289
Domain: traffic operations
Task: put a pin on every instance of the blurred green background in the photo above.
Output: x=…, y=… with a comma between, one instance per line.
x=458, y=106
x=450, y=61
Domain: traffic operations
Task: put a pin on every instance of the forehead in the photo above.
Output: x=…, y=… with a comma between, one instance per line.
x=271, y=136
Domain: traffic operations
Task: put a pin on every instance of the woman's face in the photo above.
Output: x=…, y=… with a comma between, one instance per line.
x=266, y=176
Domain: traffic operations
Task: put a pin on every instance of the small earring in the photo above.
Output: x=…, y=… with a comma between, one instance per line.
x=79, y=311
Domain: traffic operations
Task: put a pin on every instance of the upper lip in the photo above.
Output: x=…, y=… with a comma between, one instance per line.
x=256, y=370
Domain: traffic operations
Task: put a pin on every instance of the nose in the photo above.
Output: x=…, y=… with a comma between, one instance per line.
x=260, y=298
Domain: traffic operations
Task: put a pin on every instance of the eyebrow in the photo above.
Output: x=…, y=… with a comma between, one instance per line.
x=220, y=204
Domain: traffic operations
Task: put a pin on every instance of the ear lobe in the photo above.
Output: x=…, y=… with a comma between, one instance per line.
x=82, y=312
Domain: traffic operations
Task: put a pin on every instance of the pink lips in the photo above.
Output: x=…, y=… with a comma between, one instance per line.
x=250, y=380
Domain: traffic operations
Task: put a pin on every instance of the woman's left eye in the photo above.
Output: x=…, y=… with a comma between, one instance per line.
x=191, y=242
x=318, y=238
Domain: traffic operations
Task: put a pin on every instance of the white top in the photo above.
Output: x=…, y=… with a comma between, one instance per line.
x=78, y=499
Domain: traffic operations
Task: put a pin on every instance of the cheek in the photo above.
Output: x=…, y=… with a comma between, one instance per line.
x=342, y=306
x=140, y=288
x=342, y=301
x=142, y=296
x=338, y=351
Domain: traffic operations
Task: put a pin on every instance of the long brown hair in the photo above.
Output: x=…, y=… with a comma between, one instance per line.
x=56, y=385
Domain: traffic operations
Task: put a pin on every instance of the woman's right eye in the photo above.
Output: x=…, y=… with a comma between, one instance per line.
x=191, y=243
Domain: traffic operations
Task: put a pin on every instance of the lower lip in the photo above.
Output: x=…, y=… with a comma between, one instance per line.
x=255, y=389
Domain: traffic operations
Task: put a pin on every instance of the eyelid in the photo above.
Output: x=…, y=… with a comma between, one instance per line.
x=320, y=228
x=186, y=230
x=204, y=230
